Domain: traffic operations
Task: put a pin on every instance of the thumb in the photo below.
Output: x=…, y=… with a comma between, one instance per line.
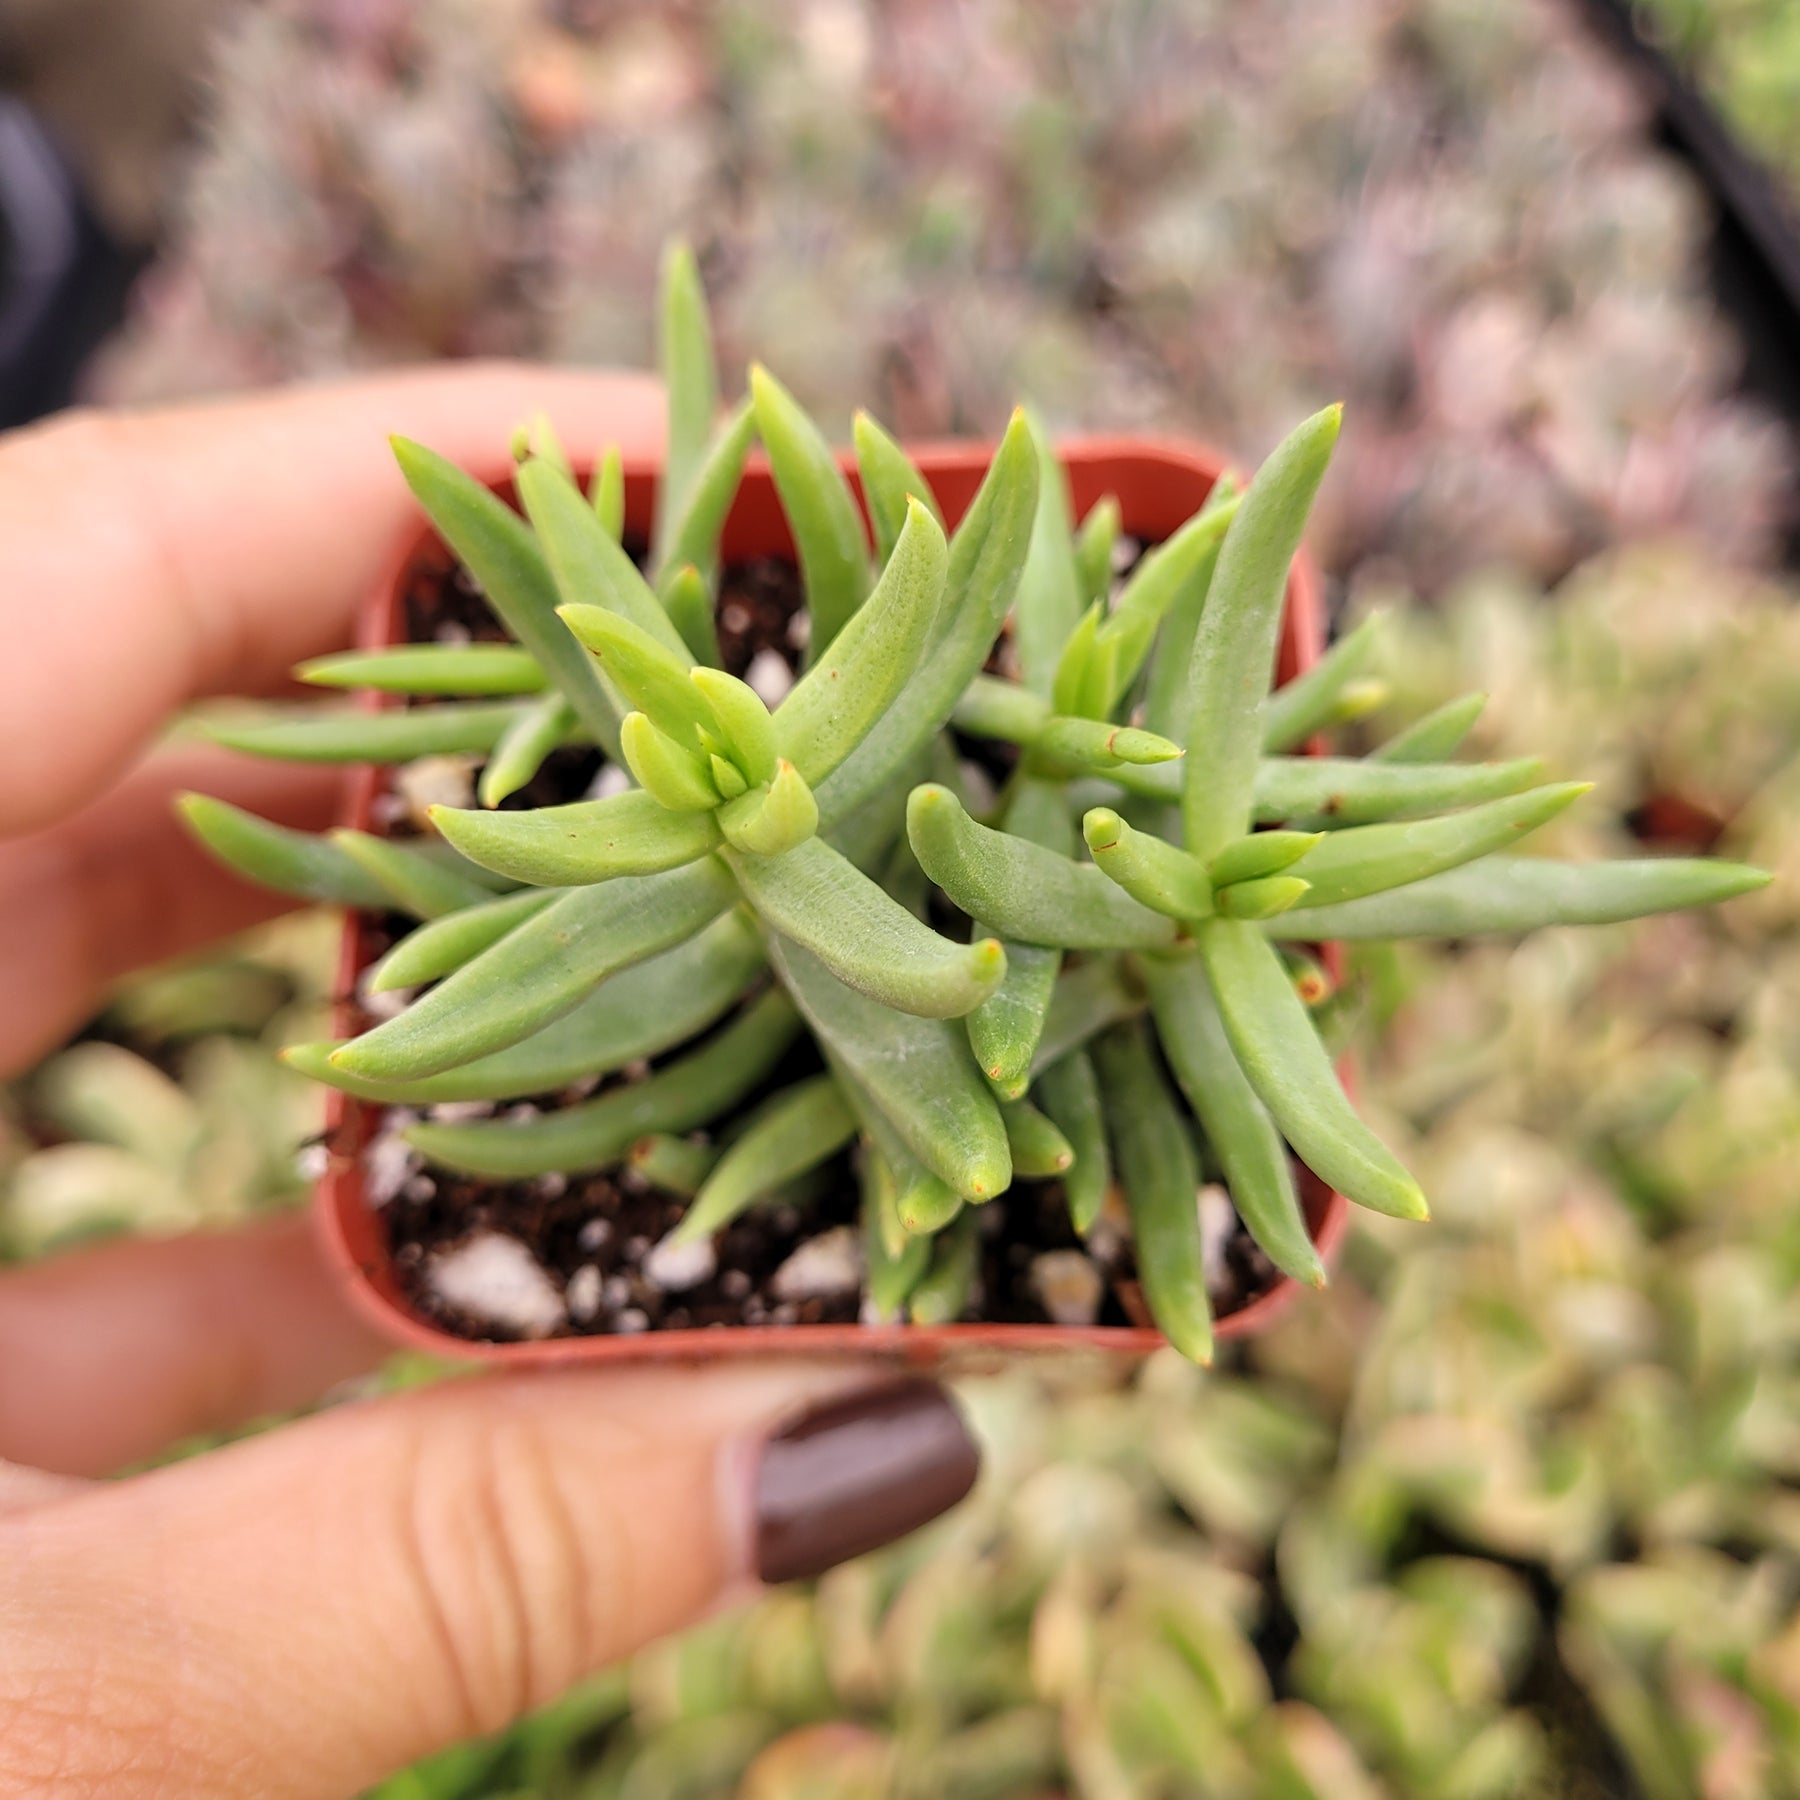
x=301, y=1613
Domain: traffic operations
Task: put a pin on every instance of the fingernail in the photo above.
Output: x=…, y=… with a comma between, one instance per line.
x=857, y=1472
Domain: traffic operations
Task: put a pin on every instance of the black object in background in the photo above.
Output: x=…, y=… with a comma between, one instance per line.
x=63, y=280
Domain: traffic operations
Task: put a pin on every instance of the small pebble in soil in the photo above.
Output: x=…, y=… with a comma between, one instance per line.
x=494, y=1277
x=583, y=1294
x=459, y=1112
x=435, y=781
x=1069, y=1286
x=821, y=1269
x=673, y=1268
x=594, y=1234
x=769, y=677
x=1218, y=1221
x=388, y=1164
x=611, y=780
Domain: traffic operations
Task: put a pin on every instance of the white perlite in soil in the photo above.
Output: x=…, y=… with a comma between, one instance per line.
x=1218, y=1225
x=1068, y=1286
x=822, y=1268
x=495, y=1278
x=673, y=1268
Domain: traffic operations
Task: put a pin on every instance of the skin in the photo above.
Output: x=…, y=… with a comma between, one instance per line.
x=302, y=1612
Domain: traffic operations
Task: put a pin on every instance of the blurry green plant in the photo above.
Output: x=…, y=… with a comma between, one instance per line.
x=749, y=834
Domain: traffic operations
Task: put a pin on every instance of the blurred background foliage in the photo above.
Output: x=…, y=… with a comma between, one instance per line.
x=1514, y=1508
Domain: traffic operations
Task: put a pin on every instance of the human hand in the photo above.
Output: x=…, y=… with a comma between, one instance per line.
x=306, y=1610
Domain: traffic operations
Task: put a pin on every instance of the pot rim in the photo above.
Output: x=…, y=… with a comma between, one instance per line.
x=349, y=1226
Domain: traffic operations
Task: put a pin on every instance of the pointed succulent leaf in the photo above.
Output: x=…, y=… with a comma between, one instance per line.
x=650, y=676
x=889, y=479
x=1278, y=1048
x=1154, y=1153
x=677, y=1165
x=693, y=537
x=771, y=820
x=1345, y=865
x=413, y=881
x=1049, y=603
x=1306, y=704
x=688, y=602
x=643, y=1011
x=1089, y=997
x=539, y=437
x=684, y=349
x=536, y=730
x=606, y=493
x=590, y=568
x=1234, y=647
x=1167, y=707
x=1078, y=686
x=1437, y=736
x=1526, y=893
x=1021, y=889
x=992, y=708
x=894, y=1259
x=1126, y=635
x=1154, y=873
x=503, y=555
x=1069, y=1093
x=1254, y=1160
x=818, y=899
x=442, y=946
x=852, y=682
x=592, y=840
x=1260, y=899
x=986, y=554
x=821, y=509
x=679, y=778
x=312, y=734
x=750, y=734
x=947, y=1289
x=594, y=1134
x=1260, y=853
x=1094, y=544
x=796, y=1131
x=298, y=863
x=726, y=777
x=1081, y=746
x=456, y=670
x=1039, y=1150
x=923, y=1202
x=917, y=1071
x=540, y=970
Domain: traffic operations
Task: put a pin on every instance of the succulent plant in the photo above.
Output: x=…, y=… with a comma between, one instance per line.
x=642, y=920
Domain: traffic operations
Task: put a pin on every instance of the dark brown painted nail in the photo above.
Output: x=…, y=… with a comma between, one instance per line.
x=856, y=1473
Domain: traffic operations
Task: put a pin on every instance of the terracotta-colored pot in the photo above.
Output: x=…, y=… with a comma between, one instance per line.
x=1159, y=485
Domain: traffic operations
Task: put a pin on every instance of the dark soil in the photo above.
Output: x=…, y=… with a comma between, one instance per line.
x=609, y=1222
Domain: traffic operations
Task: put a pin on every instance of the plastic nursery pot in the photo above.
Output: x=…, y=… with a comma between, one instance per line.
x=1159, y=485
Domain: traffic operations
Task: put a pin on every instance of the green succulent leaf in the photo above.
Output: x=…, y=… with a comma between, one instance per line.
x=689, y=603
x=1094, y=544
x=895, y=1259
x=748, y=732
x=457, y=670
x=1243, y=1137
x=1154, y=873
x=1048, y=607
x=691, y=380
x=696, y=526
x=1260, y=899
x=1436, y=737
x=918, y=1071
x=923, y=1202
x=817, y=898
x=986, y=554
x=1021, y=889
x=536, y=730
x=500, y=551
x=652, y=677
x=992, y=708
x=410, y=879
x=1085, y=669
x=1039, y=1150
x=1278, y=1048
x=1346, y=865
x=820, y=507
x=591, y=840
x=1527, y=893
x=681, y=1096
x=642, y=1011
x=1069, y=1093
x=677, y=1165
x=298, y=863
x=854, y=680
x=771, y=820
x=1234, y=647
x=681, y=779
x=313, y=734
x=1154, y=1153
x=1260, y=853
x=947, y=1289
x=1080, y=746
x=1089, y=997
x=797, y=1130
x=444, y=945
x=1309, y=702
x=1168, y=707
x=606, y=493
x=890, y=478
x=540, y=970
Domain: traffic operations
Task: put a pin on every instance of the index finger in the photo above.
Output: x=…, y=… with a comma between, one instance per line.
x=151, y=559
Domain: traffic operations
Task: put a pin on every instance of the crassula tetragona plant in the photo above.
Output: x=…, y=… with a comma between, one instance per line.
x=1126, y=1021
